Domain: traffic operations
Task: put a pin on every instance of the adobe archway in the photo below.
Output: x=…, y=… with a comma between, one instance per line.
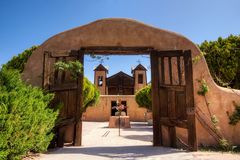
x=130, y=33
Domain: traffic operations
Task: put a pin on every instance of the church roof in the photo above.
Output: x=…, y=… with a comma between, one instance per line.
x=121, y=73
x=100, y=67
x=139, y=67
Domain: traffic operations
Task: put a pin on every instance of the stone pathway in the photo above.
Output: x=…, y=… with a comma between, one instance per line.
x=102, y=143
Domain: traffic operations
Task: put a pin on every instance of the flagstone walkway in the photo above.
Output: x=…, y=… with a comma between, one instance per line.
x=102, y=143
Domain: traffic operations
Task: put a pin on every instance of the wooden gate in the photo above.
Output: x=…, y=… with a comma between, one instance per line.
x=173, y=101
x=68, y=92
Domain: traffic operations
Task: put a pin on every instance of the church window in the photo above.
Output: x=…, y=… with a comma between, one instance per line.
x=140, y=78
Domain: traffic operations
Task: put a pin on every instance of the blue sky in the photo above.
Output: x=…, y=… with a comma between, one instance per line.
x=30, y=22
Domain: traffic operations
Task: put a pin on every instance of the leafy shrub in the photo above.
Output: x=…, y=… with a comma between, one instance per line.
x=74, y=67
x=25, y=119
x=224, y=145
x=18, y=62
x=144, y=98
x=223, y=59
x=90, y=94
x=235, y=117
x=203, y=88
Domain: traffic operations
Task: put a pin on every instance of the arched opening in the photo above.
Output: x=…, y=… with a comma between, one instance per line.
x=172, y=92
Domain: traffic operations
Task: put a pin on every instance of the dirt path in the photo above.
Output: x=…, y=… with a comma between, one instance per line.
x=102, y=143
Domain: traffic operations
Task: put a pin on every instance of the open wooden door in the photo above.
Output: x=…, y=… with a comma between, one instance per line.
x=172, y=96
x=68, y=92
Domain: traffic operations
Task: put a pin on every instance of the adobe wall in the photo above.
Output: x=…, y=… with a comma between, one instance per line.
x=127, y=33
x=138, y=86
x=102, y=110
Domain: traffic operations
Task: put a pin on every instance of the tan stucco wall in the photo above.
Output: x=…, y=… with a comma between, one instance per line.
x=138, y=86
x=102, y=110
x=125, y=32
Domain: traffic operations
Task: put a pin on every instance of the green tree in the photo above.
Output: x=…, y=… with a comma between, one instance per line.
x=223, y=59
x=18, y=62
x=144, y=98
x=26, y=121
x=90, y=94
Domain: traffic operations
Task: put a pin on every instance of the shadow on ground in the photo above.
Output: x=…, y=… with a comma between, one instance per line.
x=118, y=152
x=146, y=138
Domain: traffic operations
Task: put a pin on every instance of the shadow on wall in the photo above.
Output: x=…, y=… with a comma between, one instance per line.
x=120, y=152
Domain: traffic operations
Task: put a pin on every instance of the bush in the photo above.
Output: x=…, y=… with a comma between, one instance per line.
x=18, y=62
x=235, y=117
x=144, y=98
x=25, y=119
x=223, y=59
x=90, y=94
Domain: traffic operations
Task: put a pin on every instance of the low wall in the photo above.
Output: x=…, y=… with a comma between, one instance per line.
x=102, y=111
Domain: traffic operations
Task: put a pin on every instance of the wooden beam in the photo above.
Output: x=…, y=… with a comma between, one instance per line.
x=60, y=136
x=62, y=87
x=157, y=129
x=174, y=122
x=170, y=69
x=115, y=50
x=179, y=70
x=162, y=71
x=172, y=136
x=78, y=124
x=192, y=134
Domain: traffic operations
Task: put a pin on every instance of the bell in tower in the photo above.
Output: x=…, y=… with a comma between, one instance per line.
x=100, y=75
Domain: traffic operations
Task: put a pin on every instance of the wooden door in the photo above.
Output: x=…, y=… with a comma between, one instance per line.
x=68, y=93
x=172, y=93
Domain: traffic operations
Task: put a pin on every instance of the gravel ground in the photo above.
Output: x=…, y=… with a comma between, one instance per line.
x=102, y=143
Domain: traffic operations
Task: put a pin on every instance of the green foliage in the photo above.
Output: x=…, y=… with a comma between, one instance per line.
x=203, y=88
x=235, y=117
x=197, y=58
x=223, y=59
x=74, y=67
x=144, y=98
x=18, y=62
x=214, y=120
x=224, y=145
x=25, y=119
x=90, y=94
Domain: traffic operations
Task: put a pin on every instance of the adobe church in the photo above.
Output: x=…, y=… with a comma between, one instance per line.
x=119, y=86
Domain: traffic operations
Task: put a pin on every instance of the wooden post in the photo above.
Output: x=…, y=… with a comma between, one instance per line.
x=78, y=116
x=157, y=130
x=119, y=124
x=172, y=136
x=192, y=134
x=60, y=138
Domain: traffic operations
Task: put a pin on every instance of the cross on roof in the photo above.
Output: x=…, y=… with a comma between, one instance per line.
x=139, y=62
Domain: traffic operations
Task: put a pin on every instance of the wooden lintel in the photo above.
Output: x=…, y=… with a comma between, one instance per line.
x=115, y=50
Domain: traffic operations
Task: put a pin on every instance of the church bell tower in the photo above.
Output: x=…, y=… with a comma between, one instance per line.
x=140, y=77
x=100, y=76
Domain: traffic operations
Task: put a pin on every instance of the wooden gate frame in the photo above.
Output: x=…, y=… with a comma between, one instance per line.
x=190, y=108
x=77, y=86
x=157, y=132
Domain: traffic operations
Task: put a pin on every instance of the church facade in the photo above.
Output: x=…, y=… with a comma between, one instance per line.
x=118, y=87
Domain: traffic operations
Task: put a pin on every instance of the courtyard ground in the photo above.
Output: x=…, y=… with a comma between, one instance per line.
x=101, y=142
